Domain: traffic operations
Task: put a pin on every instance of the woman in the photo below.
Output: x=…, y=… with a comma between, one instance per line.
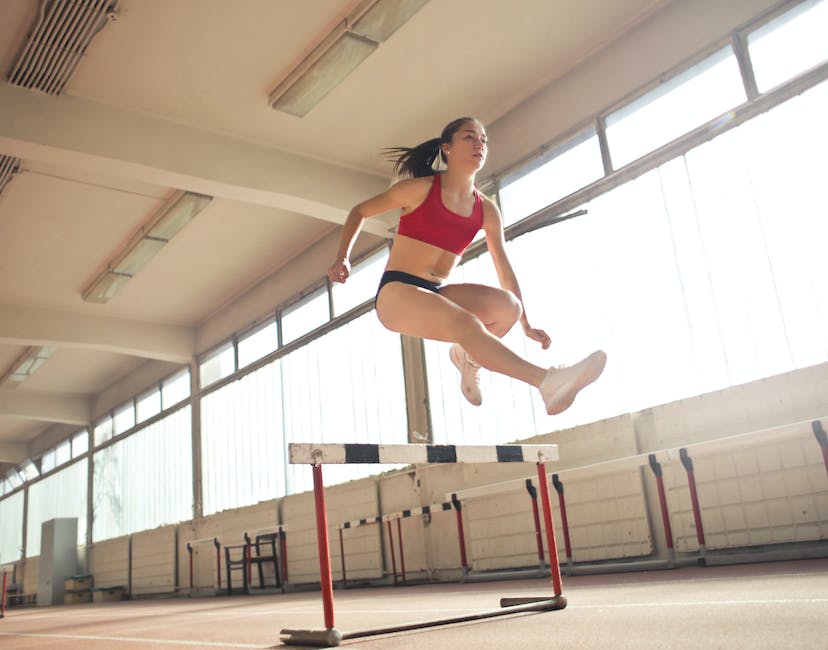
x=440, y=215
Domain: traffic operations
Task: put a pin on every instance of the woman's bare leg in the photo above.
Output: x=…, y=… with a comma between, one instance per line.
x=418, y=312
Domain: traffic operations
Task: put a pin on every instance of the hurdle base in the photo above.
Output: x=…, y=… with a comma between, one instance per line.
x=545, y=603
x=327, y=638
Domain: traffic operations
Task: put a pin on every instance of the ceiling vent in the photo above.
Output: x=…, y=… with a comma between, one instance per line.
x=58, y=41
x=9, y=166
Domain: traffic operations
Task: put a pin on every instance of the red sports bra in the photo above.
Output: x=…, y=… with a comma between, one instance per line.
x=431, y=222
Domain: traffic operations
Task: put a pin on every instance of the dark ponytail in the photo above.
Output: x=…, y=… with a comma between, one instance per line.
x=420, y=160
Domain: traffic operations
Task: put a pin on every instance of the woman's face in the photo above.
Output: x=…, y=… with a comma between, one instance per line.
x=468, y=147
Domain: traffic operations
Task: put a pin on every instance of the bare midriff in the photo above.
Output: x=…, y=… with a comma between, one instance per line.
x=421, y=259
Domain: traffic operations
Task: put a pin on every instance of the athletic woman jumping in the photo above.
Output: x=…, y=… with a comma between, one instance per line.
x=440, y=215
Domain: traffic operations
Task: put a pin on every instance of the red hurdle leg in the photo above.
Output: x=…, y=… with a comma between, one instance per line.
x=694, y=497
x=461, y=536
x=393, y=558
x=3, y=597
x=190, y=553
x=552, y=544
x=218, y=560
x=533, y=495
x=324, y=549
x=342, y=559
x=662, y=499
x=283, y=554
x=559, y=488
x=402, y=556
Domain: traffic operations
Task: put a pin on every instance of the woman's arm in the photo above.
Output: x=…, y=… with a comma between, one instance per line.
x=405, y=194
x=493, y=227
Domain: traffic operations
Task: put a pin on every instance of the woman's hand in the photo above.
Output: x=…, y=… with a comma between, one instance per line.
x=340, y=270
x=537, y=335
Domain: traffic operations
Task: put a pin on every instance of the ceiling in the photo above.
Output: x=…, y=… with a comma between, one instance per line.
x=174, y=95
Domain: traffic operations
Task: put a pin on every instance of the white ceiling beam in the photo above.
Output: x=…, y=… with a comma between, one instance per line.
x=83, y=134
x=46, y=407
x=12, y=452
x=24, y=325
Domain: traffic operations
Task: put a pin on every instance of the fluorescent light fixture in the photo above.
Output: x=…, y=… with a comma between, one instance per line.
x=385, y=17
x=152, y=237
x=340, y=53
x=27, y=364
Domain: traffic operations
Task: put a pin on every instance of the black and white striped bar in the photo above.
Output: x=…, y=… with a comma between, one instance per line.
x=354, y=453
x=402, y=514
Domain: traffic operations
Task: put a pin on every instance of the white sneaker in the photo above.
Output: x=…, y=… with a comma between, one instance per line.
x=469, y=374
x=561, y=385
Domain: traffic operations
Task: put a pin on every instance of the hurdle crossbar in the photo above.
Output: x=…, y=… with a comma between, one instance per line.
x=318, y=454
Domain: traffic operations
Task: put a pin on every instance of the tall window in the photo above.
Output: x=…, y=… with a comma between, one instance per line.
x=145, y=480
x=62, y=494
x=346, y=386
x=11, y=532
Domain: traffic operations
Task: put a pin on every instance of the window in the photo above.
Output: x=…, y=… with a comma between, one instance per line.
x=567, y=168
x=144, y=480
x=258, y=343
x=148, y=405
x=361, y=285
x=63, y=453
x=305, y=315
x=124, y=419
x=219, y=364
x=80, y=444
x=29, y=470
x=175, y=389
x=790, y=44
x=103, y=430
x=697, y=95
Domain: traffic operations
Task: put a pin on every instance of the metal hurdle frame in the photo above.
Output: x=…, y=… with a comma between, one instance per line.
x=319, y=454
x=204, y=540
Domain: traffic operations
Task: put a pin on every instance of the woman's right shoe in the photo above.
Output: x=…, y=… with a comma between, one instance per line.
x=561, y=385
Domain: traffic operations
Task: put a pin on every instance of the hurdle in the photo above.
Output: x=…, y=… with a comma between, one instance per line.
x=317, y=455
x=197, y=542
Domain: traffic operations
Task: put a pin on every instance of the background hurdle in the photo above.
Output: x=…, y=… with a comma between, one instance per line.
x=205, y=540
x=319, y=454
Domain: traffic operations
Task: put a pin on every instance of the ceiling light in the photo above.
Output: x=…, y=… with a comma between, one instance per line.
x=26, y=365
x=152, y=237
x=340, y=52
x=385, y=17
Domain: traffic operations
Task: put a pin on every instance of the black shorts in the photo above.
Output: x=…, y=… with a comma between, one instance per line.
x=406, y=278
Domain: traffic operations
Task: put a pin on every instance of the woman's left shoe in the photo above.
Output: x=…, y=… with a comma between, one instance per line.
x=561, y=385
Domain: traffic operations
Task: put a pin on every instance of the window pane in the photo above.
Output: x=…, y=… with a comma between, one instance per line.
x=258, y=343
x=47, y=462
x=80, y=444
x=676, y=107
x=568, y=168
x=148, y=405
x=305, y=315
x=175, y=389
x=124, y=419
x=790, y=44
x=103, y=430
x=29, y=470
x=361, y=285
x=219, y=364
x=63, y=452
